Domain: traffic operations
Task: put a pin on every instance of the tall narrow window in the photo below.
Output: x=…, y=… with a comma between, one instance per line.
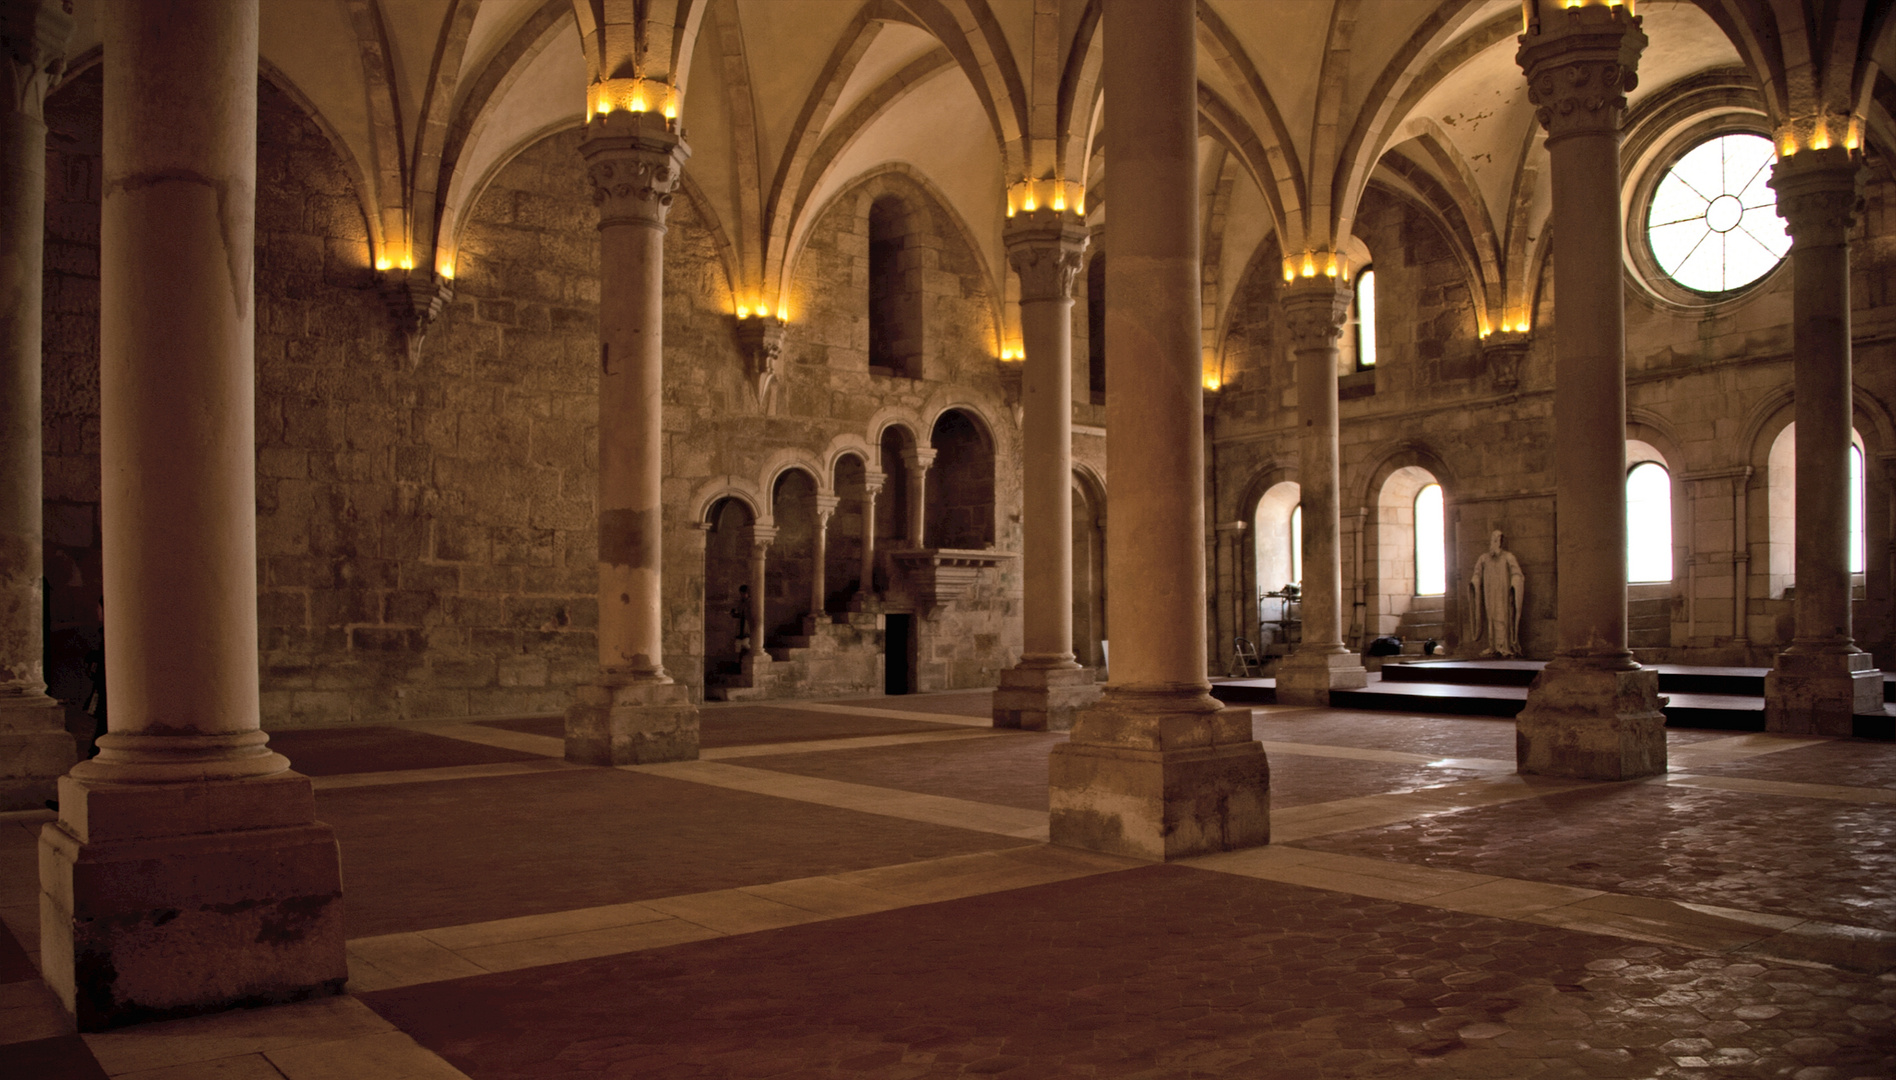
x=1856, y=509
x=1297, y=544
x=1364, y=310
x=1431, y=560
x=1648, y=523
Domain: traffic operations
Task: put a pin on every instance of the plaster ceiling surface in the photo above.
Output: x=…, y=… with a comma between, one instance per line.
x=1681, y=40
x=1482, y=112
x=714, y=168
x=1286, y=43
x=495, y=23
x=1383, y=28
x=1017, y=26
x=941, y=131
x=314, y=45
x=789, y=43
x=1247, y=224
x=413, y=28
x=895, y=47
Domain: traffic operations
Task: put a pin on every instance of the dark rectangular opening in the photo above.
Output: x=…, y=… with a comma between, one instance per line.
x=898, y=655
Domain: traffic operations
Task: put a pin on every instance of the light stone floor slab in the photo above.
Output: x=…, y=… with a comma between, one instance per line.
x=336, y=1038
x=1372, y=811
x=1750, y=786
x=887, y=714
x=1388, y=757
x=858, y=742
x=517, y=741
x=446, y=772
x=888, y=802
x=1732, y=748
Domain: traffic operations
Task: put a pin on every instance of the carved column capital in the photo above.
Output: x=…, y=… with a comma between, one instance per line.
x=826, y=505
x=1315, y=310
x=761, y=537
x=1819, y=194
x=635, y=162
x=33, y=36
x=918, y=461
x=872, y=482
x=1047, y=248
x=1580, y=66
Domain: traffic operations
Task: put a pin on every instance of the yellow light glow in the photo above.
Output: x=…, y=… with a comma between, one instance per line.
x=743, y=312
x=1310, y=265
x=783, y=313
x=603, y=108
x=407, y=263
x=382, y=264
x=1789, y=145
x=671, y=110
x=446, y=271
x=1212, y=383
x=1330, y=268
x=1820, y=137
x=1853, y=136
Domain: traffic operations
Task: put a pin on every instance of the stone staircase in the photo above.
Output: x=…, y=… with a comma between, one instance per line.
x=1426, y=618
x=834, y=655
x=1648, y=625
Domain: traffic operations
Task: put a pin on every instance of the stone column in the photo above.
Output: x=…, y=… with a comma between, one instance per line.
x=819, y=599
x=866, y=587
x=186, y=872
x=761, y=538
x=1315, y=310
x=1157, y=768
x=1046, y=248
x=1593, y=712
x=34, y=745
x=917, y=462
x=1822, y=680
x=634, y=712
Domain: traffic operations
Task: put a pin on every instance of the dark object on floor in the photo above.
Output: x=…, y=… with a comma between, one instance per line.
x=1429, y=647
x=1387, y=645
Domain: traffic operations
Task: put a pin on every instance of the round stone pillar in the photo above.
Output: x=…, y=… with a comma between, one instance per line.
x=1593, y=712
x=186, y=871
x=34, y=745
x=866, y=585
x=819, y=584
x=1822, y=681
x=1046, y=247
x=634, y=713
x=1157, y=768
x=917, y=462
x=1315, y=309
x=761, y=537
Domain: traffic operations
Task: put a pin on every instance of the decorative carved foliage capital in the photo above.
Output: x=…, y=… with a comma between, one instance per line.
x=33, y=37
x=1819, y=194
x=1048, y=250
x=1580, y=68
x=761, y=338
x=1315, y=310
x=635, y=162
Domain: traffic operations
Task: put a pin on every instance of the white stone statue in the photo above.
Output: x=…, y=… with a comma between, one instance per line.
x=1495, y=595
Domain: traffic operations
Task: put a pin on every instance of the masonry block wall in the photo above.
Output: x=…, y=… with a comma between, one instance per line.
x=426, y=532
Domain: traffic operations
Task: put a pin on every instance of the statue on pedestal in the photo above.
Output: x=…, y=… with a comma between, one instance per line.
x=1494, y=591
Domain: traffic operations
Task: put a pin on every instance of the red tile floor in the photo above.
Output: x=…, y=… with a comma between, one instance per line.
x=1202, y=970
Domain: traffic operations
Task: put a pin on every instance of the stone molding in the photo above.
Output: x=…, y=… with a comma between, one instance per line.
x=1315, y=311
x=635, y=162
x=1819, y=194
x=918, y=461
x=33, y=35
x=1580, y=67
x=1047, y=248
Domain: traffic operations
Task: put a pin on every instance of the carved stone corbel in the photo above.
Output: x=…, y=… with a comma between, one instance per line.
x=416, y=300
x=761, y=338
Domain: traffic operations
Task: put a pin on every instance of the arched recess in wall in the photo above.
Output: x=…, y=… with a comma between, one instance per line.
x=1648, y=514
x=792, y=553
x=897, y=448
x=1781, y=496
x=896, y=333
x=1405, y=553
x=1277, y=545
x=960, y=489
x=1089, y=569
x=842, y=557
x=726, y=584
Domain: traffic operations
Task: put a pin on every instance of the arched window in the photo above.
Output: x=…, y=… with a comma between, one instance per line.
x=895, y=307
x=1648, y=523
x=1856, y=509
x=1363, y=319
x=1431, y=559
x=1297, y=543
x=1096, y=329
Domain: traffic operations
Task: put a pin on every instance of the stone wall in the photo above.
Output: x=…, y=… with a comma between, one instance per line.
x=1709, y=389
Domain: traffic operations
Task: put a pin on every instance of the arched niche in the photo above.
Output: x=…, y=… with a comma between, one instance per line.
x=895, y=296
x=791, y=559
x=960, y=490
x=1393, y=591
x=726, y=583
x=1781, y=498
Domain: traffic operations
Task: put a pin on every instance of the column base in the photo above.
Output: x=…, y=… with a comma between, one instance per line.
x=1043, y=698
x=632, y=723
x=1820, y=693
x=1590, y=722
x=1306, y=678
x=167, y=900
x=35, y=750
x=1157, y=775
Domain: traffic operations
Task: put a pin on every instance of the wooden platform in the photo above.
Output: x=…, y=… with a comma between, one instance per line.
x=1727, y=698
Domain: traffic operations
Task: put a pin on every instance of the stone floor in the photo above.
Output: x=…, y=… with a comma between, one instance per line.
x=862, y=889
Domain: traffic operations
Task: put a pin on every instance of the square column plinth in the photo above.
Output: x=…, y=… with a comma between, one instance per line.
x=1592, y=723
x=1043, y=699
x=35, y=749
x=167, y=900
x=1821, y=693
x=1160, y=785
x=1307, y=678
x=633, y=723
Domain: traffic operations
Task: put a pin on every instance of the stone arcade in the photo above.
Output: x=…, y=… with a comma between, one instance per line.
x=673, y=497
